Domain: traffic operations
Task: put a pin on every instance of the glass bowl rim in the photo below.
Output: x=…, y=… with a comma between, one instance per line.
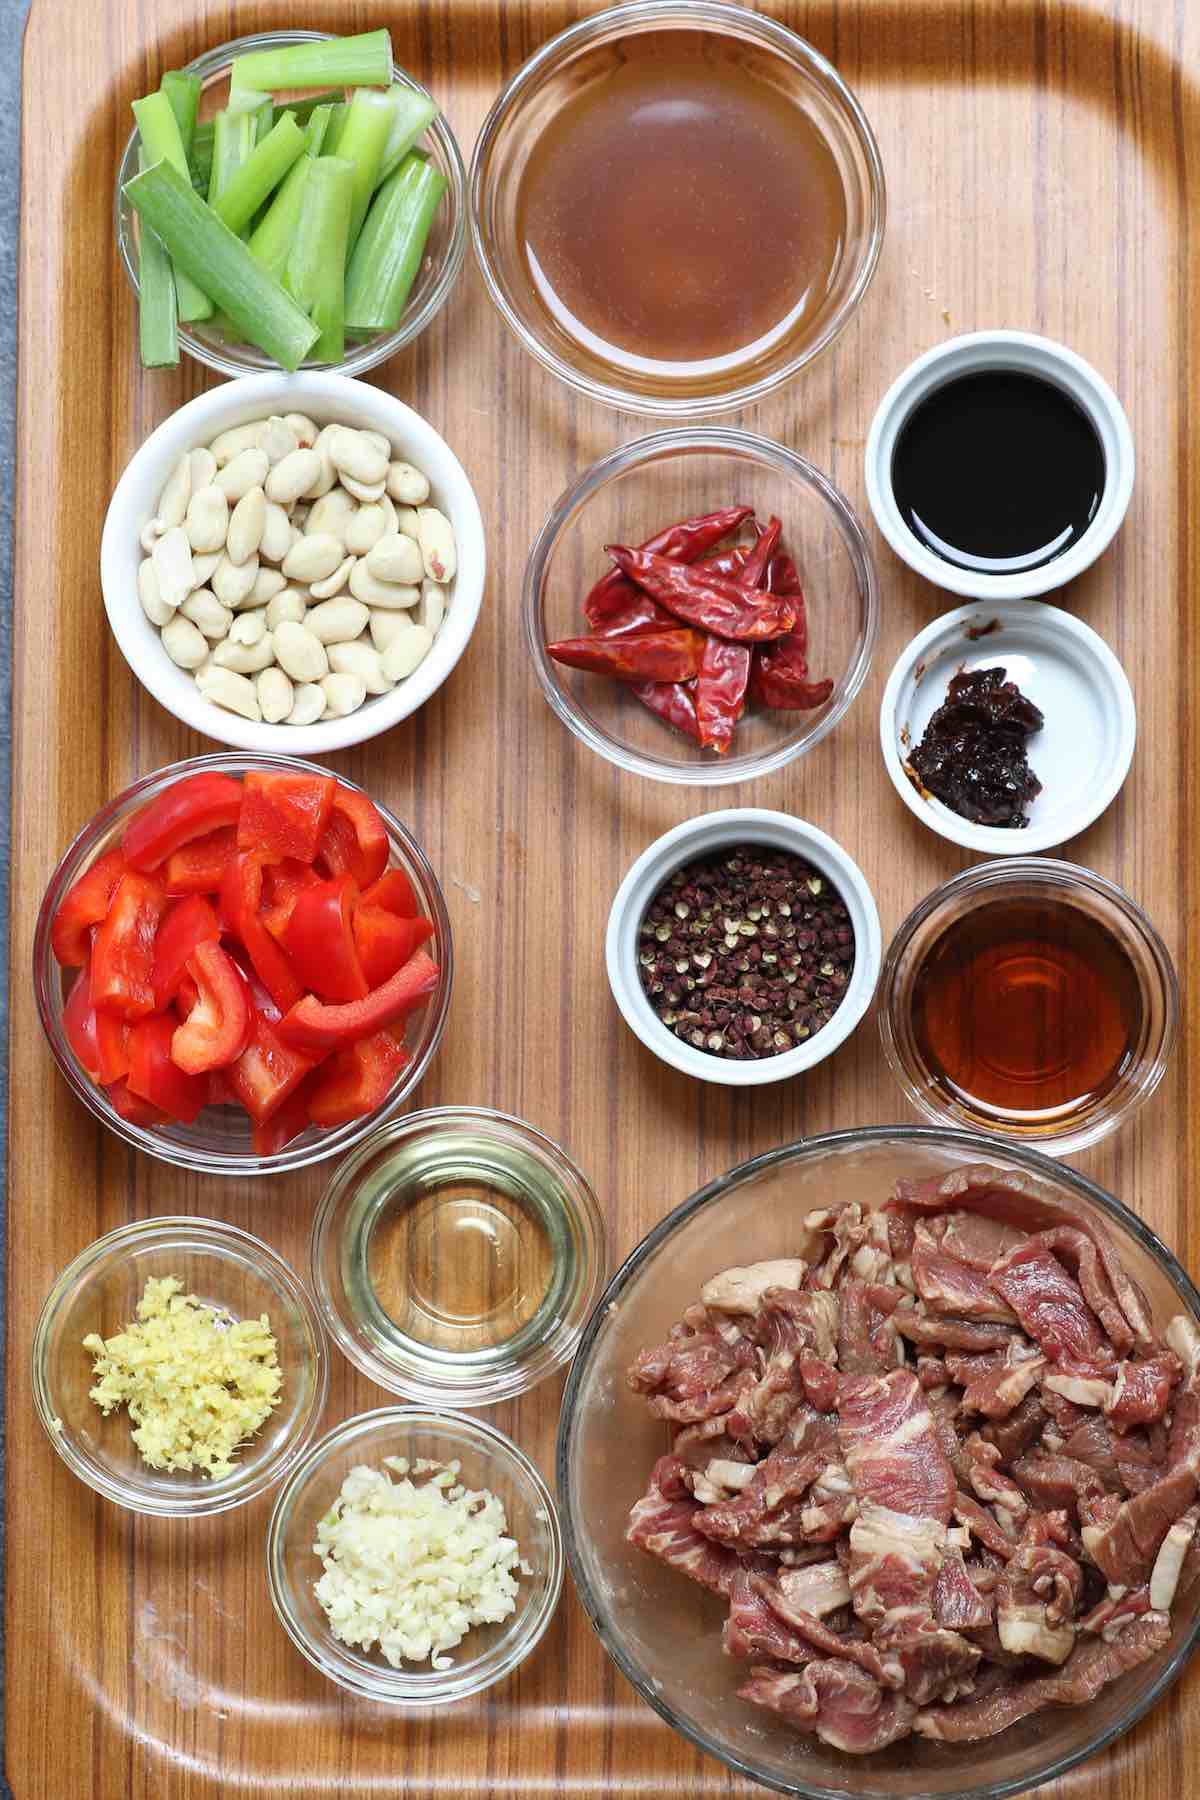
x=739, y=21
x=222, y=1238
x=1033, y=1162
x=491, y=1443
x=376, y=350
x=714, y=440
x=330, y=1143
x=1049, y=872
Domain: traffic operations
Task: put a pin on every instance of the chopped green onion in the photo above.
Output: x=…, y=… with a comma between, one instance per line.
x=264, y=121
x=158, y=332
x=414, y=112
x=316, y=270
x=271, y=240
x=159, y=132
x=260, y=174
x=304, y=109
x=387, y=256
x=205, y=249
x=233, y=140
x=200, y=155
x=363, y=61
x=338, y=119
x=316, y=130
x=362, y=142
x=245, y=100
x=183, y=91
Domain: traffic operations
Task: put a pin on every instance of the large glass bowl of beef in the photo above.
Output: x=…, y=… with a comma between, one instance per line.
x=664, y=1631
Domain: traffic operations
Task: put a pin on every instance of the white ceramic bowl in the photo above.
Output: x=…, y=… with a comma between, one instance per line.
x=323, y=397
x=1034, y=356
x=702, y=837
x=1083, y=751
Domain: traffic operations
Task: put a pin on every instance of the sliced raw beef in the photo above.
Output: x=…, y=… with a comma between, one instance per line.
x=662, y=1524
x=841, y=1703
x=891, y=1449
x=1050, y=1305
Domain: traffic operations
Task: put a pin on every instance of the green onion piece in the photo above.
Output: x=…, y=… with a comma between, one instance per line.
x=233, y=140
x=414, y=112
x=183, y=91
x=341, y=108
x=245, y=100
x=205, y=248
x=387, y=256
x=304, y=109
x=316, y=270
x=260, y=174
x=362, y=142
x=264, y=121
x=158, y=327
x=200, y=156
x=159, y=132
x=363, y=61
x=270, y=242
x=316, y=130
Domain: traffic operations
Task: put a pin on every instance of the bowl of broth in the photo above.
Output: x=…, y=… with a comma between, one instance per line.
x=676, y=206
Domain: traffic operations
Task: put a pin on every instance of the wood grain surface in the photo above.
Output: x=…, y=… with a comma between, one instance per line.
x=1040, y=161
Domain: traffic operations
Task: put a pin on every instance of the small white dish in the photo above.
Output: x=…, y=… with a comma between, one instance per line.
x=1031, y=355
x=703, y=837
x=1083, y=751
x=324, y=398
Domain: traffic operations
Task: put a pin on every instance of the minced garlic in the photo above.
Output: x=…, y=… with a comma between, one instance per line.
x=196, y=1383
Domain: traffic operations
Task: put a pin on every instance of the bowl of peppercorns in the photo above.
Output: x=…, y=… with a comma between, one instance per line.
x=743, y=947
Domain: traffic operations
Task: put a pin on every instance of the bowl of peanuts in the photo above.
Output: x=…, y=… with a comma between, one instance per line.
x=293, y=563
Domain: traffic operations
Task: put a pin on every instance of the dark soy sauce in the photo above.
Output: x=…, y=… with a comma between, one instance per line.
x=998, y=471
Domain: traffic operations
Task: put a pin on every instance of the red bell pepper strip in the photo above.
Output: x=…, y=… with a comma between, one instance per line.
x=282, y=883
x=220, y=1090
x=642, y=656
x=197, y=868
x=190, y=922
x=684, y=542
x=672, y=702
x=83, y=905
x=284, y=814
x=319, y=940
x=394, y=891
x=385, y=941
x=123, y=951
x=316, y=1028
x=131, y=1106
x=112, y=1041
x=268, y=1070
x=355, y=841
x=721, y=692
x=357, y=1079
x=189, y=809
x=290, y=1120
x=79, y=1026
x=155, y=1077
x=241, y=896
x=216, y=1029
x=187, y=998
x=713, y=602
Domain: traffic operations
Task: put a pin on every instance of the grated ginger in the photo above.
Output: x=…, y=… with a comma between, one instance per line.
x=196, y=1384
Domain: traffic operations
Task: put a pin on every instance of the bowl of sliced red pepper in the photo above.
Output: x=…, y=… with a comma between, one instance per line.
x=701, y=606
x=243, y=964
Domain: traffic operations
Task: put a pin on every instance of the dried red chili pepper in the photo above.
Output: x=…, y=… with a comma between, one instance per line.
x=684, y=542
x=672, y=702
x=783, y=577
x=721, y=692
x=783, y=686
x=753, y=573
x=637, y=613
x=712, y=602
x=646, y=656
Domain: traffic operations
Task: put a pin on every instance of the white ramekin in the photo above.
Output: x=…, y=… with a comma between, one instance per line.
x=702, y=837
x=324, y=398
x=1034, y=356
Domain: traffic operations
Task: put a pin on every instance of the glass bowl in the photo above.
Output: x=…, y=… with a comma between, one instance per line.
x=631, y=494
x=444, y=250
x=99, y=1291
x=1032, y=878
x=456, y=1256
x=490, y=1460
x=218, y=1142
x=662, y=1630
x=576, y=61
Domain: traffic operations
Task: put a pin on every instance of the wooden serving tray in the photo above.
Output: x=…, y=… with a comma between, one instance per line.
x=1041, y=161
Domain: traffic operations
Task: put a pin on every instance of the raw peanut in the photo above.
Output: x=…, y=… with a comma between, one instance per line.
x=207, y=519
x=431, y=608
x=172, y=557
x=364, y=528
x=366, y=491
x=232, y=691
x=352, y=453
x=299, y=652
x=233, y=583
x=276, y=538
x=302, y=429
x=337, y=621
x=382, y=444
x=343, y=694
x=249, y=628
x=173, y=501
x=288, y=605
x=395, y=558
x=205, y=611
x=312, y=558
x=267, y=583
x=361, y=660
x=435, y=534
x=153, y=604
x=332, y=584
x=326, y=474
x=184, y=643
x=298, y=515
x=390, y=525
x=373, y=592
x=203, y=565
x=231, y=443
x=248, y=469
x=246, y=523
x=246, y=659
x=150, y=533
x=275, y=694
x=406, y=521
x=203, y=467
x=308, y=705
x=388, y=625
x=277, y=439
x=406, y=485
x=405, y=652
x=289, y=478
x=331, y=513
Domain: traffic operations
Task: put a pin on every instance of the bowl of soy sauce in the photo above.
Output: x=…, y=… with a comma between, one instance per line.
x=999, y=465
